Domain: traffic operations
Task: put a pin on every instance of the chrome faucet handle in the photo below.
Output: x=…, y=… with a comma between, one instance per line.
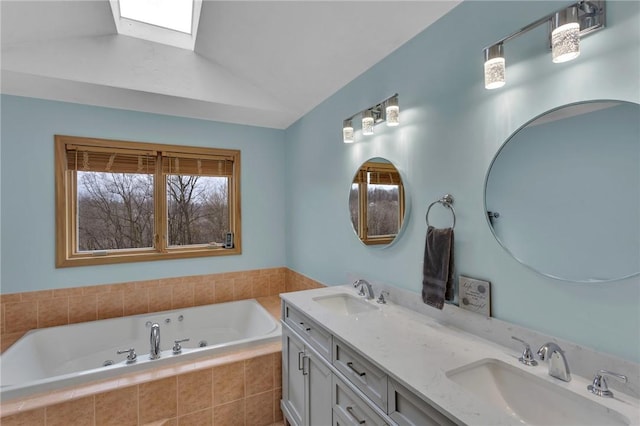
x=131, y=354
x=599, y=386
x=381, y=298
x=527, y=356
x=177, y=348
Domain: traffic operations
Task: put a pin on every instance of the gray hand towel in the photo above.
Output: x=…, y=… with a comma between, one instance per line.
x=437, y=269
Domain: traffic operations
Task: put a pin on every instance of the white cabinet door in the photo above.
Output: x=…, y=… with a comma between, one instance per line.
x=306, y=384
x=319, y=391
x=293, y=381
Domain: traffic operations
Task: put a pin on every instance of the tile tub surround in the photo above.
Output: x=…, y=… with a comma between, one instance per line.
x=417, y=350
x=241, y=387
x=21, y=312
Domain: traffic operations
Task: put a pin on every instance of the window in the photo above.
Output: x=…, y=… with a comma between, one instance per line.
x=122, y=201
x=376, y=202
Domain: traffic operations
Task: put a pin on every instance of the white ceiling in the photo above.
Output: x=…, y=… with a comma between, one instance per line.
x=263, y=63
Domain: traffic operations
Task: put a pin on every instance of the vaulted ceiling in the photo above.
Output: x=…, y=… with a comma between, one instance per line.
x=263, y=63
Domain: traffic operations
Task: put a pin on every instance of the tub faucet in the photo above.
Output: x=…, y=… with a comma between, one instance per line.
x=558, y=366
x=364, y=284
x=154, y=353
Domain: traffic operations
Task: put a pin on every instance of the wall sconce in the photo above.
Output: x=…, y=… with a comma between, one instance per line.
x=566, y=26
x=386, y=111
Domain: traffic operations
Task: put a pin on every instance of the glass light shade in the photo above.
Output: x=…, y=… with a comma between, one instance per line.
x=347, y=132
x=494, y=73
x=367, y=123
x=392, y=112
x=494, y=67
x=565, y=37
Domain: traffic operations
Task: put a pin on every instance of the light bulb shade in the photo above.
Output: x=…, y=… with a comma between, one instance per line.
x=367, y=122
x=347, y=132
x=565, y=36
x=392, y=111
x=494, y=67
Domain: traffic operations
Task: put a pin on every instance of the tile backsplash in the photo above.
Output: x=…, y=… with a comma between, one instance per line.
x=21, y=312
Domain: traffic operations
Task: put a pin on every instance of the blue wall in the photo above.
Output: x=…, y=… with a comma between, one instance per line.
x=451, y=128
x=28, y=214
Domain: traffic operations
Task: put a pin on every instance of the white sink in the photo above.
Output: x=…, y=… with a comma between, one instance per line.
x=344, y=304
x=530, y=399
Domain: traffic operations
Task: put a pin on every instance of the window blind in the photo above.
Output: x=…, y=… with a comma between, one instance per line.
x=196, y=164
x=110, y=160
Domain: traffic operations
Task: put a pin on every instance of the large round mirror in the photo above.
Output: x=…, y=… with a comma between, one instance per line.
x=377, y=202
x=562, y=195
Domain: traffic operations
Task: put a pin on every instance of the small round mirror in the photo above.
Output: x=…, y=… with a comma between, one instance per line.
x=377, y=202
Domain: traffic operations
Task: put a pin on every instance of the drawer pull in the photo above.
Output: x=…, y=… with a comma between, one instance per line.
x=350, y=411
x=305, y=328
x=300, y=361
x=350, y=365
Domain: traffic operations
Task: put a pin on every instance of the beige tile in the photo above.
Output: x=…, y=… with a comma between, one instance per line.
x=147, y=284
x=67, y=292
x=28, y=418
x=117, y=407
x=1, y=318
x=277, y=411
x=277, y=370
x=11, y=298
x=204, y=293
x=242, y=289
x=259, y=409
x=136, y=301
x=21, y=316
x=52, y=312
x=37, y=295
x=276, y=285
x=259, y=374
x=182, y=295
x=159, y=299
x=260, y=286
x=224, y=290
x=158, y=400
x=231, y=414
x=79, y=412
x=83, y=308
x=110, y=305
x=228, y=383
x=198, y=418
x=195, y=391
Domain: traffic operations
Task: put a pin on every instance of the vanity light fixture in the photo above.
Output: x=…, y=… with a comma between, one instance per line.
x=367, y=122
x=392, y=111
x=566, y=26
x=347, y=131
x=386, y=111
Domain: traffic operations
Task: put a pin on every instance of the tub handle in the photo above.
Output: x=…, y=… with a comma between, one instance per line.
x=131, y=354
x=176, y=347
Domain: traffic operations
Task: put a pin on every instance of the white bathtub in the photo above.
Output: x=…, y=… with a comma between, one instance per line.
x=57, y=357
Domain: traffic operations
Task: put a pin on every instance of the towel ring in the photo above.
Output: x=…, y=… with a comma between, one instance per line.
x=446, y=201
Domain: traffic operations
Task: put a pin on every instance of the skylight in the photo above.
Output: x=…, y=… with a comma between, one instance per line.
x=170, y=14
x=171, y=22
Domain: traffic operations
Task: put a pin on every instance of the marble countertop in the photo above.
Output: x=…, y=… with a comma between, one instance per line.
x=417, y=351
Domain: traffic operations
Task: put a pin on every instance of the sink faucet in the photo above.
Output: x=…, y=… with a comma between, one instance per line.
x=154, y=353
x=558, y=366
x=364, y=284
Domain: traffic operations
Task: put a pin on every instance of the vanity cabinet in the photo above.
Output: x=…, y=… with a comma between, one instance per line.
x=327, y=382
x=405, y=408
x=306, y=386
x=371, y=380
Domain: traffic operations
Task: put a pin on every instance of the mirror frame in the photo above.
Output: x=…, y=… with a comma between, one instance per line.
x=486, y=181
x=386, y=240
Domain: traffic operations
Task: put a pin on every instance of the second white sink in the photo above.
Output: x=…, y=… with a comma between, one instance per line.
x=530, y=399
x=344, y=304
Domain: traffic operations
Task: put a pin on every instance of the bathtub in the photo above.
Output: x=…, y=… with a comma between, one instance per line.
x=56, y=357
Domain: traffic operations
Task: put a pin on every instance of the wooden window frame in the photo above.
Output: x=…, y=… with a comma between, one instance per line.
x=363, y=203
x=65, y=192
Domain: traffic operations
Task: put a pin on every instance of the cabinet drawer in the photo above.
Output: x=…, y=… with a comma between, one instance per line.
x=316, y=336
x=405, y=408
x=371, y=380
x=349, y=409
